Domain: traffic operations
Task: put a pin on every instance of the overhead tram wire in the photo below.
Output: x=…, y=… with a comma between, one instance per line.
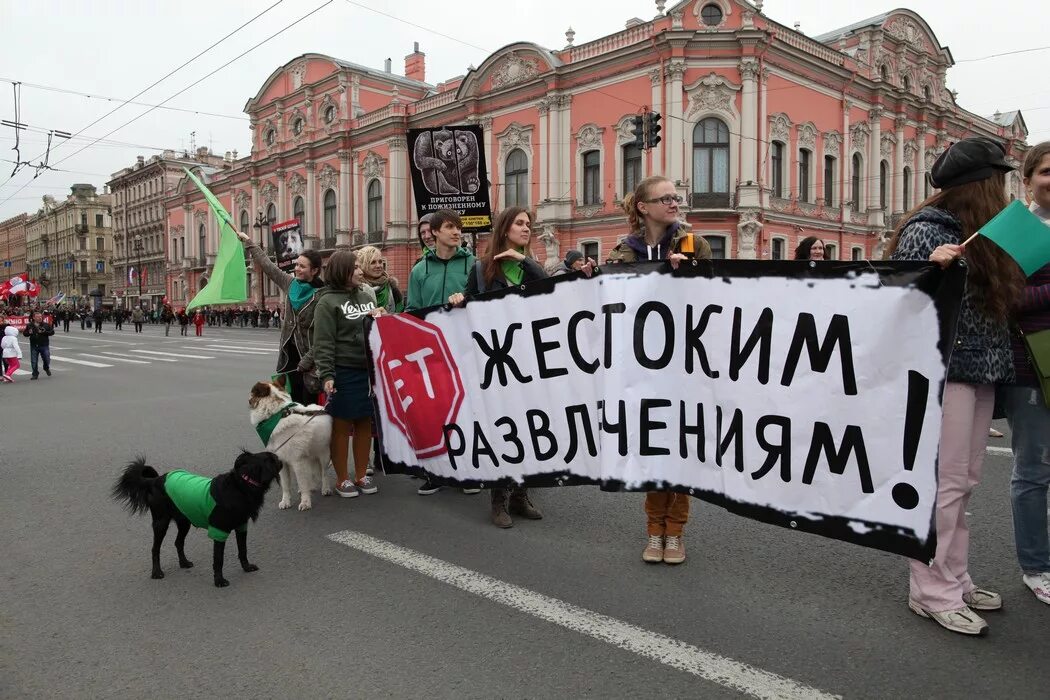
x=165, y=77
x=191, y=85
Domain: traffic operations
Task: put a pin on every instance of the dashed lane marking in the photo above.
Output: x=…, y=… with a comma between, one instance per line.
x=712, y=667
x=86, y=363
x=173, y=354
x=115, y=356
x=115, y=359
x=232, y=352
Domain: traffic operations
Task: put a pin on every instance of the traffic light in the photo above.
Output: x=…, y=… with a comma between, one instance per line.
x=652, y=129
x=638, y=129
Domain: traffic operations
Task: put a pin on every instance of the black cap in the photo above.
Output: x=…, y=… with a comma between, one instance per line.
x=969, y=160
x=572, y=256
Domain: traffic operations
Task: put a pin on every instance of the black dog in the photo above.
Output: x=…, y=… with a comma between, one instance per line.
x=221, y=505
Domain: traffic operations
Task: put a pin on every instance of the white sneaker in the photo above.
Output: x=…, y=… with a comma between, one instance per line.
x=980, y=599
x=471, y=492
x=963, y=620
x=1039, y=584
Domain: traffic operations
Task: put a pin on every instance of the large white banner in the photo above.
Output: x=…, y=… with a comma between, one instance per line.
x=808, y=398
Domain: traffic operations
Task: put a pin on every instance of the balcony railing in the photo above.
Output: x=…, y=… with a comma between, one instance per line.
x=81, y=229
x=375, y=237
x=328, y=243
x=709, y=200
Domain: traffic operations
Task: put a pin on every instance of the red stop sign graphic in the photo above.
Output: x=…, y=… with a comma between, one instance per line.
x=422, y=388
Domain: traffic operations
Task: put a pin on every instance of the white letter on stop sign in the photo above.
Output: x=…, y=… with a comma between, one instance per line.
x=419, y=357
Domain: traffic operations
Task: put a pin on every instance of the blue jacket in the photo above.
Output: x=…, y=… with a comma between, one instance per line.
x=981, y=353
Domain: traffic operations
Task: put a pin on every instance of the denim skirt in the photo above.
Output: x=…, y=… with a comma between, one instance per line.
x=351, y=399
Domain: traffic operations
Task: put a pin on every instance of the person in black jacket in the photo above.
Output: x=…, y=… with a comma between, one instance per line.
x=39, y=333
x=507, y=262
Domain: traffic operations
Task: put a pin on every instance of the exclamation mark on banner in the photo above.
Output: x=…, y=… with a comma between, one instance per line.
x=905, y=495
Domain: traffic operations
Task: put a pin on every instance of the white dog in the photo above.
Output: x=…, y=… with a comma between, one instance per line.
x=300, y=438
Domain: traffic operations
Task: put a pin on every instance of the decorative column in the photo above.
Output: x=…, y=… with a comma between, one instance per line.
x=398, y=179
x=313, y=230
x=657, y=155
x=874, y=158
x=920, y=181
x=672, y=122
x=543, y=110
x=748, y=194
x=342, y=232
x=281, y=193
x=898, y=166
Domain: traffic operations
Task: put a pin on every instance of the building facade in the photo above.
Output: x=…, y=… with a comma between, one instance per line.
x=13, y=242
x=69, y=246
x=140, y=256
x=769, y=135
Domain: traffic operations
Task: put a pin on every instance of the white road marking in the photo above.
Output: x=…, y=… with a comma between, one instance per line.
x=231, y=352
x=238, y=347
x=115, y=356
x=999, y=450
x=115, y=359
x=712, y=667
x=62, y=358
x=98, y=340
x=173, y=354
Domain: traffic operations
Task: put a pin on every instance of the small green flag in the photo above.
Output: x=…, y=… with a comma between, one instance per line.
x=228, y=283
x=1022, y=234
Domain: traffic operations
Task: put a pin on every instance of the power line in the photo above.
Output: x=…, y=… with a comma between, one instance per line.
x=1005, y=53
x=51, y=88
x=429, y=30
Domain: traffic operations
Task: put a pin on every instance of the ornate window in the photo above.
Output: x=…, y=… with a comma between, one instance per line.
x=299, y=212
x=926, y=94
x=592, y=177
x=884, y=170
x=777, y=252
x=831, y=252
x=884, y=72
x=829, y=181
x=805, y=161
x=711, y=15
x=907, y=188
x=298, y=125
x=591, y=249
x=776, y=160
x=202, y=240
x=245, y=223
x=711, y=161
x=632, y=168
x=271, y=137
x=329, y=214
x=718, y=246
x=516, y=179
x=857, y=253
x=375, y=207
x=858, y=164
x=271, y=213
x=906, y=84
x=329, y=114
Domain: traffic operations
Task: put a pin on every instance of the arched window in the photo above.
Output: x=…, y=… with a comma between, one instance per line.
x=202, y=241
x=926, y=95
x=329, y=216
x=271, y=213
x=516, y=179
x=632, y=168
x=174, y=249
x=592, y=177
x=907, y=188
x=884, y=173
x=776, y=161
x=830, y=252
x=299, y=212
x=884, y=72
x=711, y=163
x=182, y=248
x=804, y=162
x=858, y=164
x=906, y=84
x=245, y=222
x=829, y=181
x=375, y=207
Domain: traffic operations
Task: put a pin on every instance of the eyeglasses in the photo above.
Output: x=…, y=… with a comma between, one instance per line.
x=667, y=200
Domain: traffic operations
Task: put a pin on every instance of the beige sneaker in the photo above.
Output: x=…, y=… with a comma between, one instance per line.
x=980, y=599
x=963, y=620
x=674, y=550
x=654, y=551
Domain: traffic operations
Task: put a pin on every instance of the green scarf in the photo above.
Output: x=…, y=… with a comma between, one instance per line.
x=382, y=295
x=512, y=270
x=266, y=428
x=300, y=293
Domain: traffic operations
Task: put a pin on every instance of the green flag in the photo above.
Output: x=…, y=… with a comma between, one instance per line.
x=1022, y=234
x=228, y=283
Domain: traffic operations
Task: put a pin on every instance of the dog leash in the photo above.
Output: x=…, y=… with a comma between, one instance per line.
x=313, y=415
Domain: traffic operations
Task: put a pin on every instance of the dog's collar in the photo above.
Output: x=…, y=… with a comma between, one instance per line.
x=265, y=428
x=251, y=481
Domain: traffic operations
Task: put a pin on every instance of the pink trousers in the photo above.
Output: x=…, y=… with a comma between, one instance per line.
x=967, y=415
x=13, y=363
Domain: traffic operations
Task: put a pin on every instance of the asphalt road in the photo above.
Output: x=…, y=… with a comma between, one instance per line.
x=81, y=618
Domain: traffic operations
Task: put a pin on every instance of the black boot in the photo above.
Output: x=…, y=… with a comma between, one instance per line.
x=521, y=504
x=500, y=516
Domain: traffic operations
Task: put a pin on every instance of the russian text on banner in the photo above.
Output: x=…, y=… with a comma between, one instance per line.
x=803, y=396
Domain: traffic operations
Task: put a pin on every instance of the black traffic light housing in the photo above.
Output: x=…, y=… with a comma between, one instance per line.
x=652, y=129
x=638, y=130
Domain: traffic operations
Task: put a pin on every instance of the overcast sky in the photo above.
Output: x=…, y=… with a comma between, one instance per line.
x=115, y=49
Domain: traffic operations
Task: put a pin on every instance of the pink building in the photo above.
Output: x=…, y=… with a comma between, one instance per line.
x=770, y=136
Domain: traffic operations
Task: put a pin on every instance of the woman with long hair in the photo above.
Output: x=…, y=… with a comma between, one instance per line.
x=299, y=288
x=373, y=268
x=342, y=366
x=1025, y=405
x=810, y=248
x=507, y=261
x=971, y=177
x=658, y=234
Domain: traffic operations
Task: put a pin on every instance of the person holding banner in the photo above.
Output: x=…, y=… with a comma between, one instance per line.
x=658, y=234
x=342, y=366
x=507, y=262
x=299, y=288
x=971, y=177
x=1026, y=405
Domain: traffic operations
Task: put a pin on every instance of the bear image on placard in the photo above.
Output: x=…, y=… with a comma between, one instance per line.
x=434, y=155
x=467, y=153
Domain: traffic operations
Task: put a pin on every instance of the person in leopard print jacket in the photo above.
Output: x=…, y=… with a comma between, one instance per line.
x=971, y=176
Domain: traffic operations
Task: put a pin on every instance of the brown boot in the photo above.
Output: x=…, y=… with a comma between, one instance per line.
x=521, y=504
x=500, y=516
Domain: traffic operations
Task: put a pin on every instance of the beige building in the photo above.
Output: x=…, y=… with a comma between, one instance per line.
x=13, y=246
x=139, y=222
x=69, y=245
